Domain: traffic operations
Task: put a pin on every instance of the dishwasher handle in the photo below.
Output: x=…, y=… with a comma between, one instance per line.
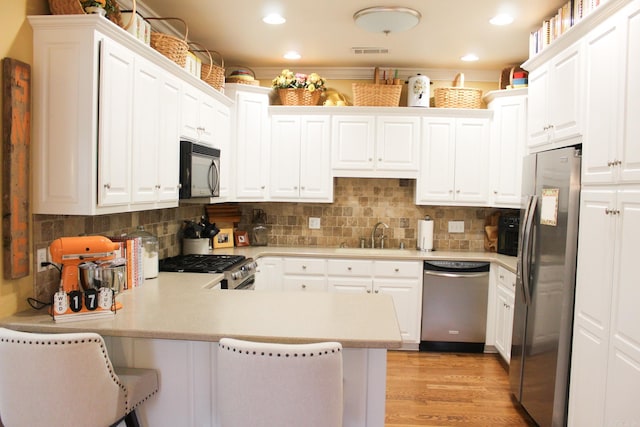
x=451, y=274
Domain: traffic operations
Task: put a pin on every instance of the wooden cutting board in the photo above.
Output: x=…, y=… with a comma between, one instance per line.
x=16, y=135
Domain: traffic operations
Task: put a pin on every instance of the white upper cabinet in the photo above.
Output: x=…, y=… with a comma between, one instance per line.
x=555, y=97
x=454, y=166
x=508, y=142
x=383, y=146
x=611, y=152
x=107, y=119
x=198, y=116
x=252, y=141
x=300, y=158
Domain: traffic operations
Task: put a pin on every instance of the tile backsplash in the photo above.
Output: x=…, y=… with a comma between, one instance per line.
x=359, y=203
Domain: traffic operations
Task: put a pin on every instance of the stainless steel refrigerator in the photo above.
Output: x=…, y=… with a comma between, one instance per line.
x=545, y=287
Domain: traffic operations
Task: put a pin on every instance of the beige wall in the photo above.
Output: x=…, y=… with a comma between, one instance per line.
x=15, y=42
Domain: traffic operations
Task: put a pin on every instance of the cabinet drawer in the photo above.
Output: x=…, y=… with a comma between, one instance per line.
x=349, y=268
x=506, y=279
x=311, y=266
x=307, y=284
x=404, y=269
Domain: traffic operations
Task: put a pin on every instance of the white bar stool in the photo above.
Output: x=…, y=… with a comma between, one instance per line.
x=266, y=384
x=67, y=380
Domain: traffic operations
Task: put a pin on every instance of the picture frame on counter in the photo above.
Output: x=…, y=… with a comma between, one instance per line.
x=224, y=239
x=241, y=238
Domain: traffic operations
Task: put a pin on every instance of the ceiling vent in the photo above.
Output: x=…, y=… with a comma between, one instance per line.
x=369, y=50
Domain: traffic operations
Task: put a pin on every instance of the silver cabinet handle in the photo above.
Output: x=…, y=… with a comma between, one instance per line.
x=107, y=186
x=304, y=286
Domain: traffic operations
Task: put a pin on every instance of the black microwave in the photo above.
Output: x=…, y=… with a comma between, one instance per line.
x=199, y=170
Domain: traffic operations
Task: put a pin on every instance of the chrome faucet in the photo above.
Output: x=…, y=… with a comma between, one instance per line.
x=373, y=235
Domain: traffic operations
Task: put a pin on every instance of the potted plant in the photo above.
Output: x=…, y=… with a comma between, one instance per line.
x=299, y=89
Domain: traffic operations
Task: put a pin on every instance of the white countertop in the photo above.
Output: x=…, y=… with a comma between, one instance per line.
x=180, y=306
x=509, y=262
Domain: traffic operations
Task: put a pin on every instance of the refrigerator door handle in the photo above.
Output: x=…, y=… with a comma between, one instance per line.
x=526, y=250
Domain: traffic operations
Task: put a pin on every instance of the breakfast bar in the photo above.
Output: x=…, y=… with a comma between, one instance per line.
x=173, y=324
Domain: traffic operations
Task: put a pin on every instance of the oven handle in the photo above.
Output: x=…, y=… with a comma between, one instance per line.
x=246, y=285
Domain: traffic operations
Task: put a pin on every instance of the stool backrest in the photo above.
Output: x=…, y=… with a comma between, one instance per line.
x=266, y=384
x=57, y=380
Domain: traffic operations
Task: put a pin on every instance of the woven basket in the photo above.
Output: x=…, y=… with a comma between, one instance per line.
x=74, y=7
x=298, y=97
x=374, y=95
x=232, y=79
x=170, y=46
x=457, y=96
x=211, y=73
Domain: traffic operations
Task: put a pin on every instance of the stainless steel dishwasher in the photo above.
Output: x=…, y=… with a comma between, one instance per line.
x=454, y=306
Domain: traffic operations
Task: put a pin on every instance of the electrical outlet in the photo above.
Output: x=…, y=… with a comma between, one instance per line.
x=41, y=256
x=314, y=223
x=456, y=226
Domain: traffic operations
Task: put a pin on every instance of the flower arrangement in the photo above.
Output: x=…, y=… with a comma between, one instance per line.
x=108, y=5
x=288, y=80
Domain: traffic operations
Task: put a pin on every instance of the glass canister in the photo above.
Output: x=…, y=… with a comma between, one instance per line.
x=259, y=230
x=149, y=252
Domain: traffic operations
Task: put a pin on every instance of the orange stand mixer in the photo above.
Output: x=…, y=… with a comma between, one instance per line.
x=73, y=251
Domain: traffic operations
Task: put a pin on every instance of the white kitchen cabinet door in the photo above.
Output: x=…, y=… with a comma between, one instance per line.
x=505, y=298
x=316, y=181
x=602, y=128
x=508, y=143
x=350, y=285
x=168, y=173
x=198, y=116
x=156, y=139
x=304, y=283
x=269, y=274
x=437, y=169
x=146, y=131
x=472, y=161
x=285, y=157
x=115, y=124
x=397, y=143
x=352, y=143
x=623, y=368
x=252, y=146
x=555, y=97
x=300, y=158
x=630, y=149
x=455, y=161
x=407, y=298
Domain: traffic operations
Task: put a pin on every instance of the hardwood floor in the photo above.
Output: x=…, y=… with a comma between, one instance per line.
x=449, y=389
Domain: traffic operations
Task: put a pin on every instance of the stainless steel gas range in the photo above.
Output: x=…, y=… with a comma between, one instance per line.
x=238, y=270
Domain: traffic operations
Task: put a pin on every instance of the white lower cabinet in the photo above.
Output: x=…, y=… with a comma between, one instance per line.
x=269, y=274
x=605, y=364
x=304, y=274
x=505, y=299
x=402, y=280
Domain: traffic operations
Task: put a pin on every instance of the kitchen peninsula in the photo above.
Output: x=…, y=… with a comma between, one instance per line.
x=173, y=323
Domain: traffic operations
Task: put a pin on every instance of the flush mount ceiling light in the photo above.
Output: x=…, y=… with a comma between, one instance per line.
x=470, y=57
x=386, y=20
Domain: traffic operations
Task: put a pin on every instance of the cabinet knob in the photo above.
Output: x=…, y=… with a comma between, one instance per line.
x=349, y=268
x=304, y=286
x=295, y=187
x=302, y=188
x=158, y=187
x=457, y=191
x=396, y=270
x=380, y=159
x=376, y=291
x=107, y=186
x=304, y=267
x=370, y=159
x=262, y=188
x=495, y=191
x=368, y=291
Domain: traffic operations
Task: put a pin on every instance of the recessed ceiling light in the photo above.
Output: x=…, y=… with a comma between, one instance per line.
x=501, y=19
x=274, y=19
x=292, y=55
x=469, y=57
